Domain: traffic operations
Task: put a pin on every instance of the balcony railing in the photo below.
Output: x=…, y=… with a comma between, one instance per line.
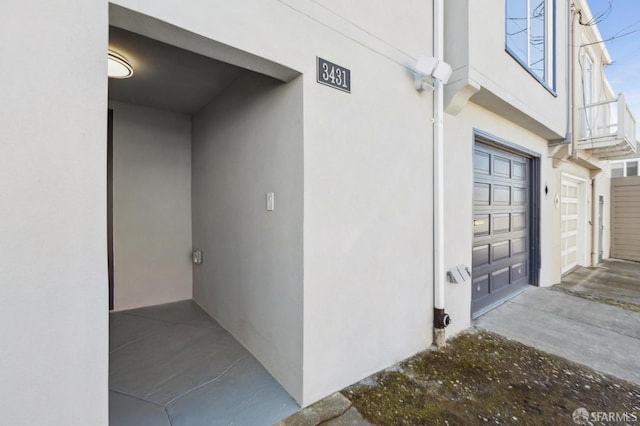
x=607, y=129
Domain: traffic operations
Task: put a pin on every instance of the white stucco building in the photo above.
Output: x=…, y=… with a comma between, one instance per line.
x=504, y=106
x=332, y=285
x=532, y=123
x=321, y=212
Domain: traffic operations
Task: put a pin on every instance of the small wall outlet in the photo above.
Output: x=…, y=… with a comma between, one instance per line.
x=197, y=257
x=271, y=201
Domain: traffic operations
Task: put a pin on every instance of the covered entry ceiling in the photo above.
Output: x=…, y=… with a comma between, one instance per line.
x=167, y=77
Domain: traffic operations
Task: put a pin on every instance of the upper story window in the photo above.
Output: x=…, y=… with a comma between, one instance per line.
x=530, y=37
x=624, y=168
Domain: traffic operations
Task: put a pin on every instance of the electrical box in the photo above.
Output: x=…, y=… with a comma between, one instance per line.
x=197, y=257
x=271, y=201
x=459, y=274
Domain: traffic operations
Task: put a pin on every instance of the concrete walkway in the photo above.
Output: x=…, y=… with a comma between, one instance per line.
x=603, y=337
x=612, y=281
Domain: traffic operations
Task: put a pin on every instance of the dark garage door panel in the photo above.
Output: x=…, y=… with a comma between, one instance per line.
x=502, y=181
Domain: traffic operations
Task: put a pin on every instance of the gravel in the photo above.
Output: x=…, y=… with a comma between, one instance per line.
x=482, y=378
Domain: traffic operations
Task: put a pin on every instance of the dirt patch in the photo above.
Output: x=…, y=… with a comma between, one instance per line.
x=484, y=378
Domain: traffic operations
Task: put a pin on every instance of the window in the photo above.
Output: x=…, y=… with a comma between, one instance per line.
x=624, y=168
x=617, y=170
x=530, y=36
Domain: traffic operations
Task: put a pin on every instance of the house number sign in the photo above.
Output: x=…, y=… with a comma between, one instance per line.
x=333, y=75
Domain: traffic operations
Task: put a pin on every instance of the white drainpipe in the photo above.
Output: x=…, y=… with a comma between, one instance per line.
x=439, y=274
x=595, y=223
x=569, y=136
x=573, y=55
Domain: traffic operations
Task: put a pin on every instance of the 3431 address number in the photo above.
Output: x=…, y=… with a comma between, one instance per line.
x=333, y=75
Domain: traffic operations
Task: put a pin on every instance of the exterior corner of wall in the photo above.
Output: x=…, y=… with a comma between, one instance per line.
x=54, y=362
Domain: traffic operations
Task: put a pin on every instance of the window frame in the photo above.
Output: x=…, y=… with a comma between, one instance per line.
x=623, y=168
x=550, y=50
x=625, y=165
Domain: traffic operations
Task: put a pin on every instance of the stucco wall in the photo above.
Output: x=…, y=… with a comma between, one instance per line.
x=368, y=226
x=53, y=272
x=151, y=206
x=475, y=47
x=459, y=137
x=367, y=172
x=246, y=143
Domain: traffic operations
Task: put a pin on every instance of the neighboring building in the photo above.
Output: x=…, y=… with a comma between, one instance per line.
x=506, y=103
x=535, y=147
x=603, y=129
x=326, y=219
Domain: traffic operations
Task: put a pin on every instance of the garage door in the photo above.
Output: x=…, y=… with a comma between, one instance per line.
x=569, y=224
x=501, y=226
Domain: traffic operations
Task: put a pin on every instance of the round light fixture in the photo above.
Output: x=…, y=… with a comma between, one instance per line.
x=118, y=66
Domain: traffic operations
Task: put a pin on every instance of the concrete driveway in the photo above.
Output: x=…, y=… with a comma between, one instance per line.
x=601, y=336
x=568, y=320
x=613, y=281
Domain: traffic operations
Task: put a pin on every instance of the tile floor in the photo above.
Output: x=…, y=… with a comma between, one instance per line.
x=174, y=365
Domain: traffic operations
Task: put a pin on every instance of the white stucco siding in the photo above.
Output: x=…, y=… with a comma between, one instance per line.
x=246, y=143
x=289, y=31
x=459, y=140
x=53, y=268
x=399, y=24
x=367, y=173
x=151, y=206
x=368, y=215
x=475, y=47
x=503, y=75
x=603, y=188
x=368, y=198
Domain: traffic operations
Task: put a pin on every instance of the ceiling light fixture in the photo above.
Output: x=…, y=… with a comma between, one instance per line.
x=118, y=66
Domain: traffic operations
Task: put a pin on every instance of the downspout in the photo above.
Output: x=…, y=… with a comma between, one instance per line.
x=595, y=223
x=440, y=318
x=572, y=136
